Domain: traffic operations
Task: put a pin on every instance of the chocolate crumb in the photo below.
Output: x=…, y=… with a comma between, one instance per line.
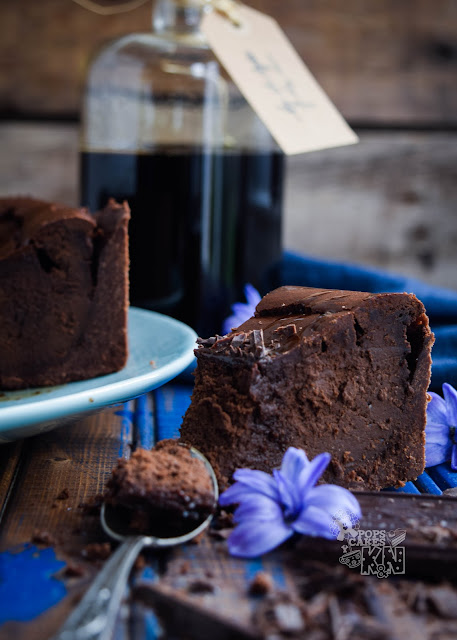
x=184, y=568
x=44, y=537
x=96, y=551
x=92, y=506
x=73, y=570
x=261, y=584
x=200, y=586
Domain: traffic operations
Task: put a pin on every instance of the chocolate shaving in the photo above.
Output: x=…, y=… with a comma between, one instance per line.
x=238, y=340
x=288, y=331
x=207, y=342
x=280, y=615
x=258, y=342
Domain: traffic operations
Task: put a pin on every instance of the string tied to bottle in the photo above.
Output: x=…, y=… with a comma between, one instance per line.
x=110, y=10
x=227, y=8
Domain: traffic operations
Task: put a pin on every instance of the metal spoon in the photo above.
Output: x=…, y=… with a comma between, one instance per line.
x=95, y=615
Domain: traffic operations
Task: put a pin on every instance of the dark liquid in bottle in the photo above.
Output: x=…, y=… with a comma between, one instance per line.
x=203, y=225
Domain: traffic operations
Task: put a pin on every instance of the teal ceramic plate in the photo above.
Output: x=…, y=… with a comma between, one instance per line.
x=160, y=348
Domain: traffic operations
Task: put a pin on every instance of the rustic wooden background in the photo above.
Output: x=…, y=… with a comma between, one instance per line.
x=383, y=61
x=390, y=67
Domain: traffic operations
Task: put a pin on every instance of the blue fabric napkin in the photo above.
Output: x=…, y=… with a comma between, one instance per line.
x=440, y=303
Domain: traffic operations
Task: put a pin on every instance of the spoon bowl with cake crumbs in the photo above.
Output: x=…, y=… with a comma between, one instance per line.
x=159, y=498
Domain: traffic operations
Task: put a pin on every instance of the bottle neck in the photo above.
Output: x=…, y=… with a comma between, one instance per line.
x=181, y=17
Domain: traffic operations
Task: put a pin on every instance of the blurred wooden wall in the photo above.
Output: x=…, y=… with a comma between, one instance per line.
x=390, y=66
x=381, y=61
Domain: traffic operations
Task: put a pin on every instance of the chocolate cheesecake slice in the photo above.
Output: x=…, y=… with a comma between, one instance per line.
x=63, y=292
x=323, y=370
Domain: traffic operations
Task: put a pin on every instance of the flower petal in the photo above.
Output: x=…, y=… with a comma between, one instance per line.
x=253, y=297
x=335, y=500
x=242, y=311
x=258, y=507
x=450, y=397
x=257, y=481
x=437, y=434
x=287, y=492
x=436, y=454
x=314, y=522
x=250, y=540
x=454, y=457
x=311, y=473
x=436, y=410
x=240, y=491
x=235, y=493
x=293, y=462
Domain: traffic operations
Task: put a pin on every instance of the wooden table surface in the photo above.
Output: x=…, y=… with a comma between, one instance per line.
x=198, y=590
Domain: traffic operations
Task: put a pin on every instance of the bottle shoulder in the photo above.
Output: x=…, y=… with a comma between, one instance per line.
x=146, y=47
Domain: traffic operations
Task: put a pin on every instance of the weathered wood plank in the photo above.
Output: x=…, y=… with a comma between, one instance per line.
x=10, y=456
x=382, y=61
x=388, y=202
x=73, y=461
x=40, y=160
x=78, y=458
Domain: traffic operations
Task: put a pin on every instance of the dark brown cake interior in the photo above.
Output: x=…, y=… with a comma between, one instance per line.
x=63, y=292
x=338, y=371
x=165, y=492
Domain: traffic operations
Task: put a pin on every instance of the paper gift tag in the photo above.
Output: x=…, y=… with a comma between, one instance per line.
x=274, y=80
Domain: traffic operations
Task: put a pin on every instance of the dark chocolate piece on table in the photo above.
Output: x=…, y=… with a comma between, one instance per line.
x=429, y=523
x=323, y=370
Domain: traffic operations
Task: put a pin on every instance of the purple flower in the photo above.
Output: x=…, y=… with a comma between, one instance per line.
x=242, y=311
x=441, y=428
x=273, y=508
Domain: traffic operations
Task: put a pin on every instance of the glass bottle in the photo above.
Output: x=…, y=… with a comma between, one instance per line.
x=164, y=128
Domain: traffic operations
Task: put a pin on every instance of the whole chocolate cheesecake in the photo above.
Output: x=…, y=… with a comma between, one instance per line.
x=324, y=370
x=63, y=292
